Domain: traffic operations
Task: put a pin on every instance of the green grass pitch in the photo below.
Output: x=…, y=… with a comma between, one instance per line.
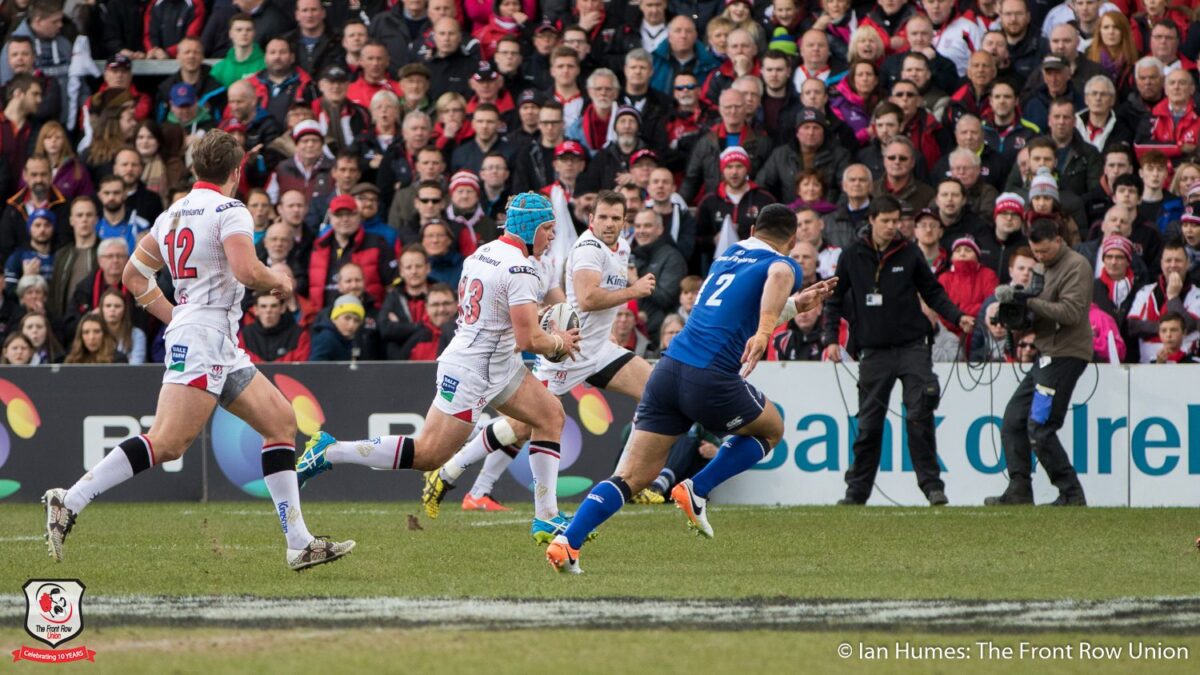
x=770, y=554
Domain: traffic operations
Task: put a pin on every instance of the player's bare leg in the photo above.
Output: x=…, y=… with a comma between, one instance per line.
x=745, y=448
x=180, y=415
x=265, y=409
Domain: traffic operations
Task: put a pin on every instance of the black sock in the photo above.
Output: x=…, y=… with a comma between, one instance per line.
x=139, y=453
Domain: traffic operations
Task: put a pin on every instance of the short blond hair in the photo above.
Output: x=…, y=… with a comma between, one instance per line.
x=216, y=156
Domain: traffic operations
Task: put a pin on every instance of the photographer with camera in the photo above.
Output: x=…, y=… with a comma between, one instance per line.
x=883, y=278
x=1058, y=315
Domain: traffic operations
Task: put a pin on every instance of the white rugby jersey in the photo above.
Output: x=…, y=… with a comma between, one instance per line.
x=546, y=266
x=1146, y=307
x=495, y=277
x=589, y=253
x=191, y=235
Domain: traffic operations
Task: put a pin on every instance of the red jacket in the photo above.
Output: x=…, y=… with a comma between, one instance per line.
x=1164, y=130
x=968, y=284
x=361, y=91
x=922, y=131
x=368, y=251
x=168, y=22
x=489, y=35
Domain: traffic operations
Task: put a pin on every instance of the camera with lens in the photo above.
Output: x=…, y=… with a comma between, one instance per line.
x=1016, y=315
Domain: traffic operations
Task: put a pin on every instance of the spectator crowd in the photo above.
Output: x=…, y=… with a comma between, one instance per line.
x=384, y=138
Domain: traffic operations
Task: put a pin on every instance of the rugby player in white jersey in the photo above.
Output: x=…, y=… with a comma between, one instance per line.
x=206, y=241
x=598, y=284
x=498, y=296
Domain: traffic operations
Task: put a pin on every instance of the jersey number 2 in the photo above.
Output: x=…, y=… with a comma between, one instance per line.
x=180, y=241
x=472, y=295
x=722, y=283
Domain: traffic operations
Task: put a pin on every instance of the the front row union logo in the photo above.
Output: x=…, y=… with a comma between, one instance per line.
x=53, y=615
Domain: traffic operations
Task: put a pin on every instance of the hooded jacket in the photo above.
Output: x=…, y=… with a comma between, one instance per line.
x=1061, y=326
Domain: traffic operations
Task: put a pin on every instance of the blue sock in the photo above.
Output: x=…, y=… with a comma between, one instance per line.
x=601, y=503
x=735, y=456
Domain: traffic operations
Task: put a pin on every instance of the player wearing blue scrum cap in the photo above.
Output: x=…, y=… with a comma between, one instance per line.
x=498, y=295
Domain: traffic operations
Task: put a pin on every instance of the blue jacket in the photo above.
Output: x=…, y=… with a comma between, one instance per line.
x=665, y=66
x=328, y=344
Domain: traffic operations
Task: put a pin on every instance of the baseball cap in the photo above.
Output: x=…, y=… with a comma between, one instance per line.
x=811, y=116
x=529, y=96
x=183, y=95
x=1052, y=62
x=644, y=153
x=485, y=72
x=569, y=148
x=926, y=212
x=306, y=127
x=335, y=73
x=343, y=203
x=233, y=125
x=547, y=26
x=119, y=62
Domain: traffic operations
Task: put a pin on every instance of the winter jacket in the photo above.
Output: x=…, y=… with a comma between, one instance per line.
x=923, y=131
x=122, y=26
x=704, y=165
x=842, y=226
x=391, y=29
x=284, y=342
x=325, y=52
x=850, y=107
x=1008, y=140
x=967, y=284
x=427, y=342
x=666, y=263
x=1036, y=108
x=666, y=66
x=451, y=73
x=716, y=207
x=915, y=194
x=1160, y=126
x=330, y=345
x=269, y=22
x=778, y=175
x=1115, y=130
x=315, y=182
x=371, y=253
x=277, y=98
x=446, y=268
x=14, y=232
x=409, y=311
x=721, y=79
x=1061, y=326
x=210, y=96
x=903, y=277
x=166, y=22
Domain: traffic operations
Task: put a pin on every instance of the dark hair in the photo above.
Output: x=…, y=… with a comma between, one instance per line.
x=951, y=179
x=346, y=153
x=155, y=131
x=900, y=82
x=1062, y=100
x=278, y=38
x=1175, y=243
x=413, y=248
x=240, y=16
x=431, y=148
x=1012, y=87
x=774, y=54
x=918, y=56
x=1166, y=23
x=431, y=184
x=1121, y=149
x=15, y=336
x=109, y=178
x=612, y=198
x=776, y=221
x=564, y=52
x=40, y=9
x=1172, y=316
x=21, y=82
x=883, y=204
x=487, y=107
x=216, y=156
x=1128, y=180
x=886, y=108
x=21, y=39
x=1043, y=229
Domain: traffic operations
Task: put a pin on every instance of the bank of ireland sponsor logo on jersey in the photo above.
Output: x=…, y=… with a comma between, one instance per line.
x=448, y=387
x=178, y=358
x=53, y=615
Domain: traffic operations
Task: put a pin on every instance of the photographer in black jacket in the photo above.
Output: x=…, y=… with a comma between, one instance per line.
x=884, y=278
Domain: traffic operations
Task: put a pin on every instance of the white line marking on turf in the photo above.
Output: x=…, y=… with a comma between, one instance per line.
x=31, y=537
x=1124, y=614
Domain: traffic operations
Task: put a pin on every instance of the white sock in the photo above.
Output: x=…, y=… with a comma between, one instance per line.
x=543, y=462
x=496, y=436
x=111, y=471
x=381, y=452
x=285, y=493
x=493, y=467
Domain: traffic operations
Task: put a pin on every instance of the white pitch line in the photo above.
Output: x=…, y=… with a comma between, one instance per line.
x=1128, y=614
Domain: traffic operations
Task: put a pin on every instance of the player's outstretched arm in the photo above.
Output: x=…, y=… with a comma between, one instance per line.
x=251, y=272
x=592, y=298
x=780, y=280
x=139, y=276
x=530, y=337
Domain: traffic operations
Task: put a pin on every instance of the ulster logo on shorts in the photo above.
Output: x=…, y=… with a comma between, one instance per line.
x=448, y=387
x=215, y=371
x=178, y=356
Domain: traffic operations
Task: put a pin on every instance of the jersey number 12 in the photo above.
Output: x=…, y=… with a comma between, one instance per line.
x=722, y=283
x=179, y=248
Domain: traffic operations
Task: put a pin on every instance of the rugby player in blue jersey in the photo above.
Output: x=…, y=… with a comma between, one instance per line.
x=752, y=287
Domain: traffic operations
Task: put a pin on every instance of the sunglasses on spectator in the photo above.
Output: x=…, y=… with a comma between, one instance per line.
x=905, y=94
x=1025, y=345
x=429, y=200
x=897, y=158
x=685, y=87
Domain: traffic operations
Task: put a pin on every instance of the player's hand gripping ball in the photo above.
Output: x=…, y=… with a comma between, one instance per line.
x=561, y=316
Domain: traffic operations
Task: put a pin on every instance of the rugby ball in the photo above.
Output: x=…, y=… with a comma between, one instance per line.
x=564, y=317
